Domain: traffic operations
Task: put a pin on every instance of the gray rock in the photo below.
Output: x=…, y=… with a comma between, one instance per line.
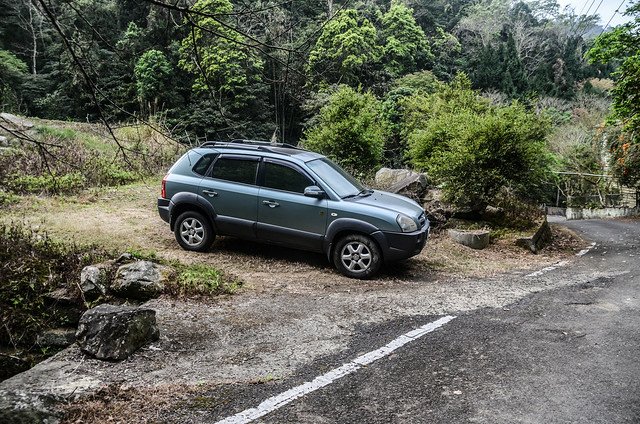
x=475, y=239
x=68, y=304
x=141, y=280
x=115, y=332
x=27, y=408
x=62, y=296
x=403, y=181
x=11, y=365
x=125, y=257
x=4, y=142
x=56, y=337
x=539, y=240
x=94, y=280
x=15, y=122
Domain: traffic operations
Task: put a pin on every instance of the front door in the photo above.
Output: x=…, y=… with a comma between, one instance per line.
x=285, y=215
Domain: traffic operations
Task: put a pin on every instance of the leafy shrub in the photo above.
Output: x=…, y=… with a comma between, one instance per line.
x=350, y=130
x=7, y=198
x=48, y=183
x=475, y=149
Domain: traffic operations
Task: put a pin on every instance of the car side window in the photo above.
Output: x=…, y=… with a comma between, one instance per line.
x=282, y=177
x=236, y=170
x=203, y=164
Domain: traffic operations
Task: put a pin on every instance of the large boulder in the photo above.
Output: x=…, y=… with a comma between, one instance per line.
x=15, y=123
x=94, y=280
x=436, y=209
x=115, y=332
x=402, y=181
x=541, y=238
x=141, y=280
x=475, y=239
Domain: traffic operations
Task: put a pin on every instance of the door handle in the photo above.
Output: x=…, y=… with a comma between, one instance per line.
x=210, y=193
x=270, y=203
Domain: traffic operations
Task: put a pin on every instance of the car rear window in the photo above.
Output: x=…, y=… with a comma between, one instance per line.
x=236, y=170
x=203, y=164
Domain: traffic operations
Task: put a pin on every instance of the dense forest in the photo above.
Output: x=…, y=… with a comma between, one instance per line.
x=369, y=82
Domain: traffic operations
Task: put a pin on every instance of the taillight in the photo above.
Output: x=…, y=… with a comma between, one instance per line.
x=163, y=193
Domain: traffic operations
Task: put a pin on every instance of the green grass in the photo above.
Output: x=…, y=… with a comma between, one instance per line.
x=202, y=280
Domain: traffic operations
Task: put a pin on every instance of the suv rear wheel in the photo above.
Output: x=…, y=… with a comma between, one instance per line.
x=357, y=256
x=194, y=232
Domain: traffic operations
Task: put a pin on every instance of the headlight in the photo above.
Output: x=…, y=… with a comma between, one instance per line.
x=407, y=224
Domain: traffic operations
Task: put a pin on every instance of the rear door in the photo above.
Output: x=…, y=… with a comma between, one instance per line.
x=230, y=187
x=285, y=215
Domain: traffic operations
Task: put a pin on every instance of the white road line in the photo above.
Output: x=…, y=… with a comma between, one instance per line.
x=547, y=269
x=560, y=264
x=585, y=251
x=278, y=401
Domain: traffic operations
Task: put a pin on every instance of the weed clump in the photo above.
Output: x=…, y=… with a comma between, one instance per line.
x=69, y=160
x=201, y=280
x=32, y=266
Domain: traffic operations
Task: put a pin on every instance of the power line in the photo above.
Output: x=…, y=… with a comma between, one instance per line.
x=612, y=16
x=595, y=12
x=580, y=19
x=584, y=20
x=579, y=16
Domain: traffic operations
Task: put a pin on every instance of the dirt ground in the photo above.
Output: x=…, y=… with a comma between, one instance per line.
x=292, y=309
x=126, y=218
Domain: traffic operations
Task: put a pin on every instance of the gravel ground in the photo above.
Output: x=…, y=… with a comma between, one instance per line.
x=292, y=310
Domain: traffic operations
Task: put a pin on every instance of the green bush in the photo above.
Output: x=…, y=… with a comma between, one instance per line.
x=474, y=149
x=350, y=130
x=106, y=172
x=48, y=183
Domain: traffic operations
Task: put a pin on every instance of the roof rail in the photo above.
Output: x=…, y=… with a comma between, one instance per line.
x=248, y=143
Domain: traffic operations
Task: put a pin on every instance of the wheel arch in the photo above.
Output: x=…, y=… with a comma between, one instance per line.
x=345, y=226
x=183, y=202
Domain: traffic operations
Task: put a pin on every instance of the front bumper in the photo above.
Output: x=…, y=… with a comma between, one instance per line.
x=398, y=246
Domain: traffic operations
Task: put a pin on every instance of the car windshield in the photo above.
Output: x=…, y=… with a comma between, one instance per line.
x=335, y=177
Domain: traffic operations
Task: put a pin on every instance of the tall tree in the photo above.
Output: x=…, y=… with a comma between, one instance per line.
x=622, y=45
x=405, y=46
x=346, y=50
x=215, y=52
x=152, y=72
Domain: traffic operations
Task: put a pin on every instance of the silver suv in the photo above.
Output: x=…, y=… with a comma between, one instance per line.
x=292, y=197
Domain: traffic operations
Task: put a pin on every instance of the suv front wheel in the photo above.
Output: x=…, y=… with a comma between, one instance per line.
x=357, y=256
x=194, y=232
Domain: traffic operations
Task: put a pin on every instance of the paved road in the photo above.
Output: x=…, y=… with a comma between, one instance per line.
x=569, y=355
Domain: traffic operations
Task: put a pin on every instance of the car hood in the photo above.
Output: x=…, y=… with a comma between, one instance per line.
x=392, y=202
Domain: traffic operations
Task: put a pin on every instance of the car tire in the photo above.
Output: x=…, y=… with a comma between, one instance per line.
x=357, y=256
x=194, y=232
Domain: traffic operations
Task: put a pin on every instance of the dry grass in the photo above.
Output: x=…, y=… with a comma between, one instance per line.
x=125, y=218
x=117, y=404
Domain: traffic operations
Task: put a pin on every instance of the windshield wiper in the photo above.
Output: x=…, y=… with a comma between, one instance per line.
x=349, y=196
x=364, y=193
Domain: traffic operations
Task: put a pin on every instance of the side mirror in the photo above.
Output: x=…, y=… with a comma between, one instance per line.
x=315, y=192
